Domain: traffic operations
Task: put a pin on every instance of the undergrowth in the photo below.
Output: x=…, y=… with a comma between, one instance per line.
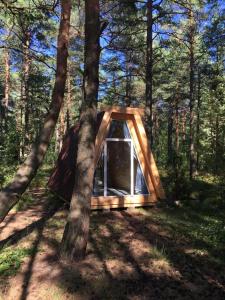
x=11, y=259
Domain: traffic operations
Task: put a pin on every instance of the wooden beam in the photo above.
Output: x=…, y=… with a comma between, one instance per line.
x=123, y=110
x=121, y=201
x=141, y=158
x=101, y=135
x=139, y=126
x=150, y=171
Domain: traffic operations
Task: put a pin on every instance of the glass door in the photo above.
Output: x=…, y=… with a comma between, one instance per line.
x=118, y=171
x=118, y=167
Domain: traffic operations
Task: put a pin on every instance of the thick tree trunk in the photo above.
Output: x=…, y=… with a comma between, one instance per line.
x=75, y=235
x=68, y=98
x=10, y=195
x=149, y=71
x=61, y=127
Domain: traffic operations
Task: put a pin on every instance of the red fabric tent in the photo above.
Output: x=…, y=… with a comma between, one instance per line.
x=62, y=179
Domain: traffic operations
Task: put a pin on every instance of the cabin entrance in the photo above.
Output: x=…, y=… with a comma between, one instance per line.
x=118, y=171
x=125, y=171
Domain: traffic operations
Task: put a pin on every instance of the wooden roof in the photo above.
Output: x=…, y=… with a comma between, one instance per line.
x=63, y=177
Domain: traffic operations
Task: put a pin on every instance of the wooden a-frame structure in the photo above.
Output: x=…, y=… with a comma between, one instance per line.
x=62, y=180
x=132, y=116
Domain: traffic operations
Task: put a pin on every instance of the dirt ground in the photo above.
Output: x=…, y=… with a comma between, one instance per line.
x=130, y=256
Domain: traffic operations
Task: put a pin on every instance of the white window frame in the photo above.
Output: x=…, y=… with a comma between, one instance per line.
x=131, y=163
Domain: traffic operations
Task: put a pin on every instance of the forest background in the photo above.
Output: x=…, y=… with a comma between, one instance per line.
x=167, y=56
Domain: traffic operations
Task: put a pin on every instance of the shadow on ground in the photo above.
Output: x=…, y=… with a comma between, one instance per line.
x=131, y=255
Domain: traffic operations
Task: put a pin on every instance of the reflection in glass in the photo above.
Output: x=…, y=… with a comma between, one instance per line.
x=119, y=129
x=114, y=170
x=140, y=187
x=98, y=184
x=118, y=168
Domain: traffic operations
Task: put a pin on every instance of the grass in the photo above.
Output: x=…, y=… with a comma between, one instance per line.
x=158, y=253
x=203, y=231
x=11, y=260
x=26, y=200
x=191, y=236
x=6, y=174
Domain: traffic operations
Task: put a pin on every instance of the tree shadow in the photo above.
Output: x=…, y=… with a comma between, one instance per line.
x=194, y=280
x=113, y=270
x=49, y=209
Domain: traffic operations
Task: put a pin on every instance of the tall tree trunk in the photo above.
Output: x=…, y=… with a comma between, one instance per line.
x=7, y=88
x=68, y=98
x=177, y=125
x=75, y=235
x=170, y=136
x=10, y=195
x=149, y=71
x=183, y=125
x=57, y=139
x=176, y=154
x=216, y=146
x=191, y=94
x=61, y=127
x=198, y=123
x=128, y=80
x=24, y=95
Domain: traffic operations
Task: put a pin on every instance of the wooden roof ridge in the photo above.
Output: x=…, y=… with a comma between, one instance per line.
x=122, y=109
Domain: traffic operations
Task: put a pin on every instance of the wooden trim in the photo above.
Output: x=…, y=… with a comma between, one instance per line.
x=102, y=132
x=123, y=110
x=141, y=157
x=139, y=137
x=123, y=201
x=121, y=116
x=149, y=157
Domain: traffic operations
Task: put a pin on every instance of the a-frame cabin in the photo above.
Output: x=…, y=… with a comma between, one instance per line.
x=125, y=171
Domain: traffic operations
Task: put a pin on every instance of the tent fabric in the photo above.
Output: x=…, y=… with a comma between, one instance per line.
x=62, y=179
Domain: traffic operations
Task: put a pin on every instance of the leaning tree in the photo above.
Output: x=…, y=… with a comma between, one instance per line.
x=10, y=195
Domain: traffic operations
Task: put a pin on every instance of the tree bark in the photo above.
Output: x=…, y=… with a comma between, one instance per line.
x=198, y=123
x=149, y=71
x=177, y=125
x=75, y=235
x=216, y=146
x=183, y=125
x=10, y=195
x=24, y=101
x=170, y=135
x=176, y=164
x=68, y=98
x=128, y=80
x=191, y=94
x=7, y=88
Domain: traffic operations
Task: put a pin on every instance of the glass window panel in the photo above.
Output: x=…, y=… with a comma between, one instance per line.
x=118, y=168
x=98, y=184
x=119, y=129
x=140, y=187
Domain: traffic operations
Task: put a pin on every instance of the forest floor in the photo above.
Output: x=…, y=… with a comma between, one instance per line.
x=152, y=253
